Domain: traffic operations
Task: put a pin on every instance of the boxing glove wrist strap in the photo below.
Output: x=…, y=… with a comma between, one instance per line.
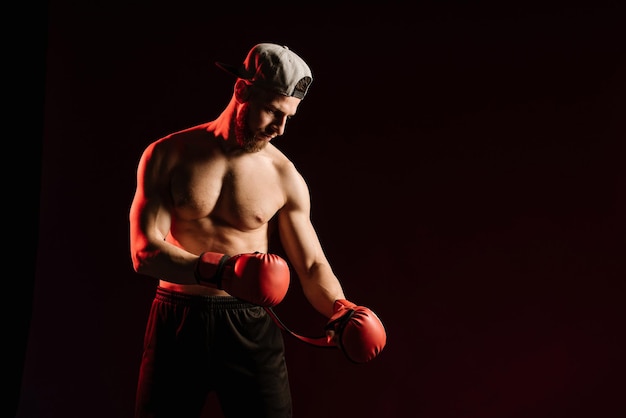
x=321, y=341
x=216, y=279
x=340, y=322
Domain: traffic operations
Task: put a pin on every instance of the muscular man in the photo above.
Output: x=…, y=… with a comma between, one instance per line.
x=207, y=200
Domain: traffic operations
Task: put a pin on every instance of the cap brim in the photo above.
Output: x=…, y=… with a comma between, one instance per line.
x=231, y=69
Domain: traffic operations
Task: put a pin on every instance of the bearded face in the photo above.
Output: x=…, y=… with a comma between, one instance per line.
x=245, y=137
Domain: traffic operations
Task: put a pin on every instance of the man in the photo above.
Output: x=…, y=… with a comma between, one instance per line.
x=207, y=200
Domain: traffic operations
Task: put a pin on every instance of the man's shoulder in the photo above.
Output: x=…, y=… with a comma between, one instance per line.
x=190, y=133
x=279, y=158
x=184, y=135
x=187, y=141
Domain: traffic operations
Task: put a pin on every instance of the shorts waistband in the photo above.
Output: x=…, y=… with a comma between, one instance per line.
x=213, y=302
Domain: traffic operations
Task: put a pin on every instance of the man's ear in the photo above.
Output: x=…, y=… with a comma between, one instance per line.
x=242, y=91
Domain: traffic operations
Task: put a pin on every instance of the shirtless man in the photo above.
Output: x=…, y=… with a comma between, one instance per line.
x=207, y=200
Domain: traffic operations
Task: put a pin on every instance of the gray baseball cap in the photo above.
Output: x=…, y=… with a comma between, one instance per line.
x=276, y=67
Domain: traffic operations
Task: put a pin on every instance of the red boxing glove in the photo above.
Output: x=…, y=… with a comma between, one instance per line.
x=358, y=331
x=261, y=279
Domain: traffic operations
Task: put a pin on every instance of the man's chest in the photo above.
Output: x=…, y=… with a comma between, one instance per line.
x=241, y=196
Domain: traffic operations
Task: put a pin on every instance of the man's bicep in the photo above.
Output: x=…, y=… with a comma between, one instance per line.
x=297, y=234
x=149, y=219
x=299, y=240
x=149, y=215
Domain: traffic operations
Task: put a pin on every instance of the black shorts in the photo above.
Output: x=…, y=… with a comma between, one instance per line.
x=197, y=344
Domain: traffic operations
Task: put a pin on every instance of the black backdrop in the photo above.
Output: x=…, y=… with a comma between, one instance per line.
x=467, y=168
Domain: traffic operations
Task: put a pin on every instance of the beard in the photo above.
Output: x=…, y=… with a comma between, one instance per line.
x=246, y=138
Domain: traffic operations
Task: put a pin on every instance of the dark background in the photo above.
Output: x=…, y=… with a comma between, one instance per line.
x=467, y=168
